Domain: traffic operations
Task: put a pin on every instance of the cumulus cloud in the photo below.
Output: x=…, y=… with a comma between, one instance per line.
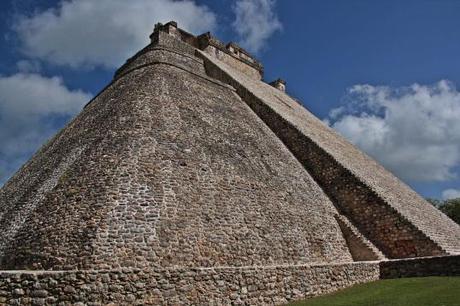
x=30, y=104
x=255, y=22
x=414, y=131
x=104, y=32
x=450, y=194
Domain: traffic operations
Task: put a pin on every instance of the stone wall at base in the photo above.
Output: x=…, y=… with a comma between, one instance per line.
x=182, y=286
x=417, y=267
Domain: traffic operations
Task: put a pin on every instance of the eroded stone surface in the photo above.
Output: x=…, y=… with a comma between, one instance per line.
x=182, y=286
x=418, y=267
x=390, y=214
x=178, y=172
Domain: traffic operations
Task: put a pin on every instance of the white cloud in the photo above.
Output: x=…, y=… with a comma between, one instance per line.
x=29, y=104
x=451, y=194
x=255, y=22
x=103, y=32
x=414, y=131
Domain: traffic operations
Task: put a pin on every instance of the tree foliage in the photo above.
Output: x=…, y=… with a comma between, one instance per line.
x=450, y=207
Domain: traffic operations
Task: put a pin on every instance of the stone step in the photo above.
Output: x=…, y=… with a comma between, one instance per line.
x=360, y=247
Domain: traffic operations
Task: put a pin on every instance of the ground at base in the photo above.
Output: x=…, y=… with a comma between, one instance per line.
x=423, y=291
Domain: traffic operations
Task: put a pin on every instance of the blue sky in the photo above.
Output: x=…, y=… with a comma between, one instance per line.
x=382, y=73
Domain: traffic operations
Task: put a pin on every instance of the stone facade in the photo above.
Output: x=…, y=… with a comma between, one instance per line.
x=201, y=286
x=391, y=215
x=189, y=180
x=171, y=169
x=417, y=267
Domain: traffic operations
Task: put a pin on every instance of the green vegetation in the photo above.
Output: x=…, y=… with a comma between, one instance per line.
x=424, y=291
x=450, y=207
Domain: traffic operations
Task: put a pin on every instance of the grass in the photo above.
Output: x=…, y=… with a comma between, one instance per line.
x=424, y=291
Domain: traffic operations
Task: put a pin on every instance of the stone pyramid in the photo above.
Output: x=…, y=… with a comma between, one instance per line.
x=189, y=180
